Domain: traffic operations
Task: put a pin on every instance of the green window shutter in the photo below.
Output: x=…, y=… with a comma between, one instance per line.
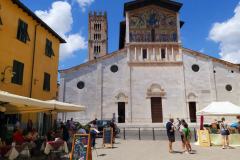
x=46, y=84
x=1, y=21
x=50, y=47
x=46, y=48
x=22, y=33
x=18, y=68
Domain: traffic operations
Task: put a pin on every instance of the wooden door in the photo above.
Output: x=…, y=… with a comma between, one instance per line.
x=192, y=111
x=156, y=106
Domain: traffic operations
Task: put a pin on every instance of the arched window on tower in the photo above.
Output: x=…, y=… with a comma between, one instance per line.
x=153, y=35
x=99, y=49
x=100, y=26
x=162, y=53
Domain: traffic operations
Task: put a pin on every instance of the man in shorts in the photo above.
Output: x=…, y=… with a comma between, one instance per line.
x=170, y=133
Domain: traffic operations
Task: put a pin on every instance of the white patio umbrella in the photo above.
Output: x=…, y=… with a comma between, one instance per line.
x=61, y=107
x=15, y=104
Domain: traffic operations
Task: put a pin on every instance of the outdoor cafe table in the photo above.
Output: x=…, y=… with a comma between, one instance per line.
x=12, y=152
x=52, y=145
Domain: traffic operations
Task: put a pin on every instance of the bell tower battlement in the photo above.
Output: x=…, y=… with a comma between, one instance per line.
x=97, y=35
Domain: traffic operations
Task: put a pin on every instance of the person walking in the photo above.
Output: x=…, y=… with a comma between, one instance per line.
x=71, y=123
x=59, y=122
x=68, y=124
x=29, y=126
x=225, y=131
x=93, y=133
x=112, y=125
x=65, y=132
x=170, y=134
x=187, y=135
x=181, y=131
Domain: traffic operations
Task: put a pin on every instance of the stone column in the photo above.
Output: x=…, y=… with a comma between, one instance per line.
x=154, y=55
x=135, y=53
x=127, y=27
x=178, y=28
x=172, y=54
x=128, y=54
x=141, y=53
x=166, y=54
x=160, y=52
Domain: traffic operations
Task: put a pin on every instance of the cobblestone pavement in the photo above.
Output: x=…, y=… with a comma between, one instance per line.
x=146, y=149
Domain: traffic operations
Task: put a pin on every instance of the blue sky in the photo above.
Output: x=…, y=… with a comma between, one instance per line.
x=208, y=23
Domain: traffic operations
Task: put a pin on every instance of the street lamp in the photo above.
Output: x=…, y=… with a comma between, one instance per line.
x=3, y=73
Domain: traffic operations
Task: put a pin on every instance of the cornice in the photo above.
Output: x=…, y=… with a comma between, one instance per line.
x=162, y=63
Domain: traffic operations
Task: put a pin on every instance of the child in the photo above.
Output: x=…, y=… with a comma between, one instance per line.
x=187, y=137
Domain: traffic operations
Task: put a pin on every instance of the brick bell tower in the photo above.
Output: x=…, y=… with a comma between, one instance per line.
x=97, y=35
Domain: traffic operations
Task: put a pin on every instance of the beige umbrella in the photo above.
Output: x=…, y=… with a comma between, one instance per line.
x=15, y=104
x=61, y=107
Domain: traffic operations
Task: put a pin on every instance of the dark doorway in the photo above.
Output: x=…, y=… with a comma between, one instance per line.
x=121, y=112
x=144, y=53
x=192, y=111
x=153, y=35
x=156, y=106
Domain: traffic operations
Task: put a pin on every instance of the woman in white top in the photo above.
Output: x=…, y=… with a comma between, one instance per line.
x=33, y=136
x=225, y=131
x=93, y=133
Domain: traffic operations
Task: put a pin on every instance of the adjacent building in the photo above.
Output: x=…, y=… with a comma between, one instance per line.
x=152, y=77
x=29, y=55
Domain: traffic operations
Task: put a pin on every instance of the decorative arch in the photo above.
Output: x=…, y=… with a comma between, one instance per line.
x=191, y=96
x=155, y=90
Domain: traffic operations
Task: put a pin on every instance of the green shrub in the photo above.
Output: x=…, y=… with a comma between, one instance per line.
x=86, y=128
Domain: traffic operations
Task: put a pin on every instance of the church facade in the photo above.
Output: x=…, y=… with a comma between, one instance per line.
x=151, y=77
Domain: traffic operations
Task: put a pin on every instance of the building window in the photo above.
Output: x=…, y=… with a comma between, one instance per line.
x=18, y=69
x=97, y=49
x=144, y=53
x=0, y=21
x=153, y=35
x=46, y=84
x=163, y=53
x=48, y=50
x=80, y=85
x=114, y=68
x=228, y=88
x=97, y=26
x=195, y=68
x=22, y=33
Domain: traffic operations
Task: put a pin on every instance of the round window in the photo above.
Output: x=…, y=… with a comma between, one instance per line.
x=195, y=68
x=80, y=85
x=114, y=68
x=228, y=87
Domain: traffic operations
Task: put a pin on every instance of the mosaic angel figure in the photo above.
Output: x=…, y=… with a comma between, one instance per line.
x=140, y=20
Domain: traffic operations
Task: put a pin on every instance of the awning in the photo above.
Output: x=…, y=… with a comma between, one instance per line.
x=61, y=107
x=220, y=109
x=16, y=104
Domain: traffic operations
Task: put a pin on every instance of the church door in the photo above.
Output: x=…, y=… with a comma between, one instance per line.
x=121, y=112
x=192, y=111
x=156, y=106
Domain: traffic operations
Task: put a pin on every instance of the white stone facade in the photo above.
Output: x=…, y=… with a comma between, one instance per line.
x=103, y=88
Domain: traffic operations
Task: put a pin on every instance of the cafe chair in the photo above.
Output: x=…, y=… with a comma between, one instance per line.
x=38, y=148
x=24, y=150
x=57, y=152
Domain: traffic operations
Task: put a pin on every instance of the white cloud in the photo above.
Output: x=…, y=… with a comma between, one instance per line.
x=59, y=18
x=228, y=34
x=202, y=50
x=86, y=60
x=84, y=3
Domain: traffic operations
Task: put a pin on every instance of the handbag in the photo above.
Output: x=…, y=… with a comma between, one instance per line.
x=227, y=131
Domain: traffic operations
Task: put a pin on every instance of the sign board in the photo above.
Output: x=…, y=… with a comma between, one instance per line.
x=204, y=138
x=107, y=136
x=81, y=147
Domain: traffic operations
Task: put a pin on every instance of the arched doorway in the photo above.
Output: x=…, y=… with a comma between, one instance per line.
x=156, y=103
